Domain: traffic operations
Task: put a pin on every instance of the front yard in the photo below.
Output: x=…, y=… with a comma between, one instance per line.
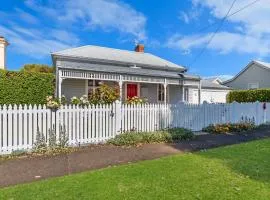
x=232, y=172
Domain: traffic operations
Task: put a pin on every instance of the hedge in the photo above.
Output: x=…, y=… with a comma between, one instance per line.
x=25, y=87
x=261, y=95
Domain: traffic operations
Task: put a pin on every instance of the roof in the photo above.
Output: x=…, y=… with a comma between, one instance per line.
x=105, y=54
x=264, y=65
x=214, y=79
x=125, y=70
x=209, y=84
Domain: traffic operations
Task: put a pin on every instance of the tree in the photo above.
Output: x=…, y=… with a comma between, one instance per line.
x=38, y=68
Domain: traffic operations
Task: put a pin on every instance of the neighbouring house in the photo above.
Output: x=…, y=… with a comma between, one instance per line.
x=3, y=46
x=255, y=75
x=79, y=71
x=213, y=91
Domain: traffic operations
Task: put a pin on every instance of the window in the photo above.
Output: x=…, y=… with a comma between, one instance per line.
x=186, y=95
x=160, y=92
x=253, y=85
x=93, y=86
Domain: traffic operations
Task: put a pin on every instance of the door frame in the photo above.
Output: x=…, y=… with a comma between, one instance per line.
x=138, y=89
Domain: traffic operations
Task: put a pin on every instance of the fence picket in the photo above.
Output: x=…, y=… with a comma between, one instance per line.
x=92, y=124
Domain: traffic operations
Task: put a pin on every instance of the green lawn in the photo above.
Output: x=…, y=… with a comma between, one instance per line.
x=232, y=172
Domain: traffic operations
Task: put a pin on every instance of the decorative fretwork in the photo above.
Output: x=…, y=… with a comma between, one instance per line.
x=66, y=73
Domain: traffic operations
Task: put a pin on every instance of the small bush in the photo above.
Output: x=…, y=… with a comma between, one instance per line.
x=181, y=134
x=229, y=128
x=135, y=138
x=242, y=96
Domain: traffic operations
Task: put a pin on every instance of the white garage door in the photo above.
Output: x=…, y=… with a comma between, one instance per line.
x=214, y=96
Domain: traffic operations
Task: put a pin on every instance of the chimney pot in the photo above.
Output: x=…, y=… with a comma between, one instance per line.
x=139, y=48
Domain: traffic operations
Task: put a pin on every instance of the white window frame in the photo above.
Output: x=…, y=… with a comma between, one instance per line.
x=168, y=92
x=93, y=87
x=253, y=84
x=160, y=86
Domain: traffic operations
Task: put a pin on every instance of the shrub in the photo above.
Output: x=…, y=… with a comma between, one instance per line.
x=104, y=95
x=181, y=134
x=135, y=138
x=261, y=95
x=25, y=87
x=136, y=100
x=229, y=128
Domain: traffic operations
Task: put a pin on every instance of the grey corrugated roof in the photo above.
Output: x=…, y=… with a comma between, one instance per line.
x=264, y=65
x=210, y=84
x=123, y=70
x=117, y=55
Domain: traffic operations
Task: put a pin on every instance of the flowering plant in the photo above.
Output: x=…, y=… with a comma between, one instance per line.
x=75, y=100
x=52, y=102
x=136, y=100
x=84, y=100
x=63, y=100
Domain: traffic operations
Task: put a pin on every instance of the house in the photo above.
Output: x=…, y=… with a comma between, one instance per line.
x=79, y=71
x=255, y=75
x=213, y=91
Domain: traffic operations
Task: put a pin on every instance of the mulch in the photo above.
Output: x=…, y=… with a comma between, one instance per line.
x=29, y=169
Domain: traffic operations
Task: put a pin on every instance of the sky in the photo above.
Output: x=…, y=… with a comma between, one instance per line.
x=191, y=33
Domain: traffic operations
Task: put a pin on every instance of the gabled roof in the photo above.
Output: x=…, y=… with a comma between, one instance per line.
x=261, y=64
x=209, y=84
x=104, y=54
x=214, y=79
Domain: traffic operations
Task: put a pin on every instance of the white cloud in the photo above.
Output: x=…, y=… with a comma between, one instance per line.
x=191, y=15
x=222, y=77
x=223, y=42
x=64, y=36
x=250, y=31
x=104, y=14
x=33, y=43
x=26, y=16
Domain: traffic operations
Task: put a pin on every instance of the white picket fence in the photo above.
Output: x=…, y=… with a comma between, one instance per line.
x=19, y=125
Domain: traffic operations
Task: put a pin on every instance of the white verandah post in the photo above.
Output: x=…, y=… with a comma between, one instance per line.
x=60, y=87
x=120, y=82
x=165, y=91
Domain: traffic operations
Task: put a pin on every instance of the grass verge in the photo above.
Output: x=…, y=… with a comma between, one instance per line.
x=232, y=172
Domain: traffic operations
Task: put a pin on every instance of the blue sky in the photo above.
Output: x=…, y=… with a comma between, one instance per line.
x=171, y=29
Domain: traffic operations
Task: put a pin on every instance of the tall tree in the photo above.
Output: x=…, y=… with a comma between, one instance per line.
x=38, y=68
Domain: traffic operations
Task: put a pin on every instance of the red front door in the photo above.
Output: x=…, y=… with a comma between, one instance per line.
x=132, y=90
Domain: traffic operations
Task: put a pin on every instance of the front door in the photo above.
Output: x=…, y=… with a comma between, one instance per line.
x=132, y=90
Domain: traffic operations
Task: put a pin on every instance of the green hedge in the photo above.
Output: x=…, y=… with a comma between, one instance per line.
x=261, y=95
x=25, y=87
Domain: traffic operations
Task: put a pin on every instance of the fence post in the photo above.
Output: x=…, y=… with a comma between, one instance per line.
x=118, y=117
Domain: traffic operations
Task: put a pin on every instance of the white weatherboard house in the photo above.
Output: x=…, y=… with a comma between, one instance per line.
x=255, y=75
x=79, y=71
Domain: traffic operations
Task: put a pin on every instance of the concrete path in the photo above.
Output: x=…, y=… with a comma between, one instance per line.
x=23, y=170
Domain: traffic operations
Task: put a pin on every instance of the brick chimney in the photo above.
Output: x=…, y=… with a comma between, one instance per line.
x=3, y=45
x=139, y=48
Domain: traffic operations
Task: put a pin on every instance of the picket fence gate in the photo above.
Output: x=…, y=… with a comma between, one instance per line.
x=19, y=125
